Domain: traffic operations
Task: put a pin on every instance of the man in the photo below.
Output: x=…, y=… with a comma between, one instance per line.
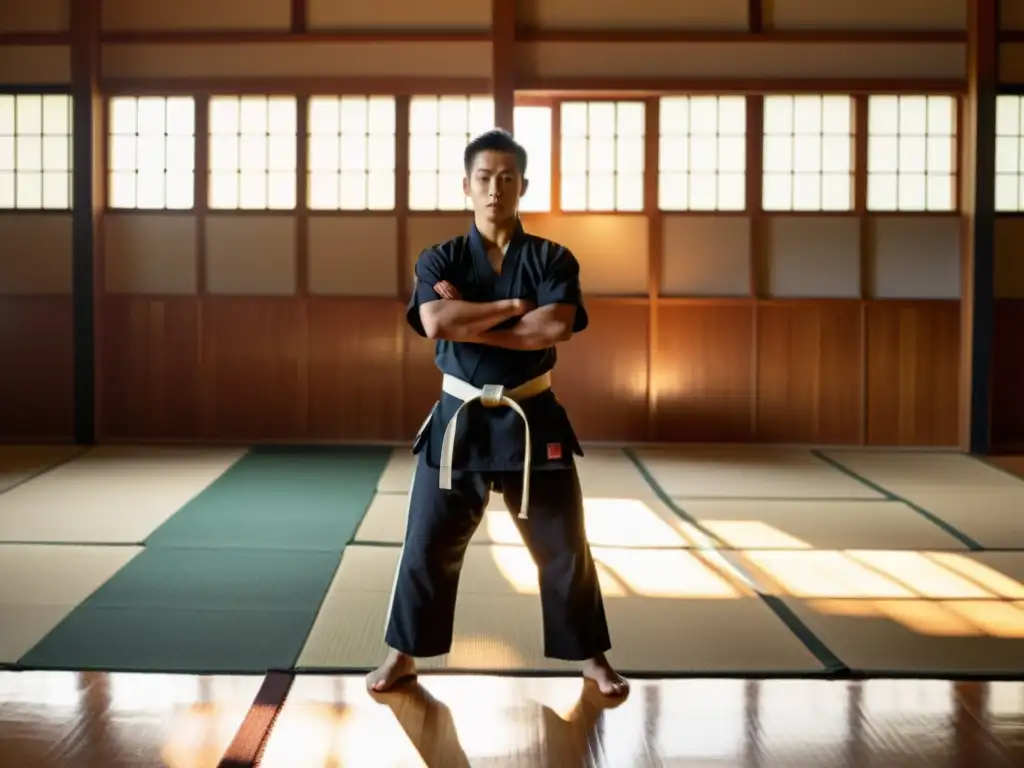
x=497, y=302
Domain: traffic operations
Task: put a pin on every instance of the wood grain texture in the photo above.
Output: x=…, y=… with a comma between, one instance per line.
x=37, y=384
x=702, y=372
x=350, y=369
x=808, y=371
x=913, y=372
x=1008, y=375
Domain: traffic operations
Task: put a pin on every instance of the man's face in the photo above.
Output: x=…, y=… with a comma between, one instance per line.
x=495, y=185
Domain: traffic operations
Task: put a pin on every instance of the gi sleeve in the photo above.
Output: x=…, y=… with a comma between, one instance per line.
x=430, y=268
x=561, y=285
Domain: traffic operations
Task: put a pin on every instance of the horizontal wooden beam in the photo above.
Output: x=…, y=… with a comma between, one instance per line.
x=289, y=86
x=523, y=35
x=611, y=87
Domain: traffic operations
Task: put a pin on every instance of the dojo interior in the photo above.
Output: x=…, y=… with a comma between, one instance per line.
x=801, y=400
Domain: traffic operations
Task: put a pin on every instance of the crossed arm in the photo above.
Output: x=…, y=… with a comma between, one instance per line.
x=453, y=319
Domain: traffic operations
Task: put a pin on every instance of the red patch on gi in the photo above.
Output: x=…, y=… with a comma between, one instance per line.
x=554, y=451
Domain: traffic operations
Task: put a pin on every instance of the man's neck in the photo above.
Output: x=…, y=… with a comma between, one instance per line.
x=498, y=233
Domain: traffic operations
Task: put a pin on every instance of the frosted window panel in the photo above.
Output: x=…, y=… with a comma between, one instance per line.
x=673, y=194
x=778, y=154
x=56, y=115
x=940, y=193
x=913, y=115
x=732, y=154
x=883, y=115
x=941, y=116
x=381, y=115
x=574, y=120
x=630, y=155
x=703, y=154
x=353, y=115
x=777, y=193
x=423, y=115
x=631, y=120
x=778, y=115
x=324, y=115
x=732, y=192
x=325, y=153
x=732, y=116
x=252, y=190
x=7, y=153
x=703, y=116
x=940, y=155
x=29, y=153
x=601, y=192
x=807, y=154
x=180, y=155
x=601, y=155
x=224, y=153
x=837, y=115
x=673, y=117
x=913, y=154
x=807, y=117
x=224, y=189
x=1006, y=192
x=423, y=191
x=121, y=186
x=533, y=131
x=380, y=194
x=836, y=154
x=574, y=155
x=354, y=152
x=601, y=120
x=703, y=191
x=453, y=115
x=882, y=189
x=56, y=191
x=56, y=154
x=323, y=191
x=7, y=193
x=481, y=115
x=450, y=194
x=381, y=152
x=252, y=152
x=1008, y=116
x=224, y=115
x=253, y=116
x=883, y=155
x=806, y=191
x=673, y=153
x=353, y=192
x=630, y=192
x=29, y=189
x=836, y=192
x=151, y=191
x=180, y=190
x=451, y=154
x=423, y=154
x=574, y=192
x=29, y=115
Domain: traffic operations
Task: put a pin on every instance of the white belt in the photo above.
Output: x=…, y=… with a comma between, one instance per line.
x=491, y=396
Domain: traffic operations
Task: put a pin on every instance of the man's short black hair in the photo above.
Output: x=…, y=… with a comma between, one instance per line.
x=497, y=140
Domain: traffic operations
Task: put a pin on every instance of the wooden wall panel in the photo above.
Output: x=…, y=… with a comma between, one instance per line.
x=255, y=376
x=36, y=397
x=913, y=372
x=601, y=377
x=701, y=373
x=150, y=381
x=355, y=369
x=809, y=372
x=1008, y=376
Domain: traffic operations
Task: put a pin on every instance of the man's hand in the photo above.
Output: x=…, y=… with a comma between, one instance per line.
x=446, y=290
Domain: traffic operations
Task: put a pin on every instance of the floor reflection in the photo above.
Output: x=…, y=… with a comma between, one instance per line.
x=115, y=721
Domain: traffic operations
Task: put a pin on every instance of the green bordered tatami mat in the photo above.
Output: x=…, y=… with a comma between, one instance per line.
x=234, y=580
x=281, y=498
x=194, y=610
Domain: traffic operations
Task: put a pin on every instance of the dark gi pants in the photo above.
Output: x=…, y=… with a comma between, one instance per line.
x=441, y=524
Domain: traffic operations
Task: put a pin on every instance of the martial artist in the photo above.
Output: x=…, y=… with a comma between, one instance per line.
x=497, y=301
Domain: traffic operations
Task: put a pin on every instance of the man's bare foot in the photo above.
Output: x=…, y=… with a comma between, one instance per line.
x=397, y=667
x=608, y=681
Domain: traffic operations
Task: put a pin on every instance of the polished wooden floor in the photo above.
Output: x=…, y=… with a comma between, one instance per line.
x=138, y=721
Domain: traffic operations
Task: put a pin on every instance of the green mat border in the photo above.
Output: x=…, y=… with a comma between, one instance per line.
x=931, y=517
x=825, y=656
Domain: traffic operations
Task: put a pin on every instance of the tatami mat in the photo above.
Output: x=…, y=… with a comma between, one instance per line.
x=40, y=585
x=816, y=524
x=652, y=597
x=611, y=522
x=397, y=474
x=110, y=494
x=621, y=510
x=978, y=500
x=760, y=472
x=928, y=613
x=19, y=463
